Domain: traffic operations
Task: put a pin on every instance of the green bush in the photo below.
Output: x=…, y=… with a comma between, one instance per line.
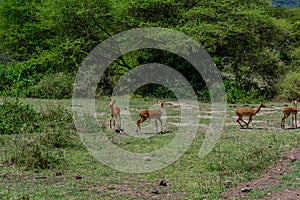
x=7, y=77
x=56, y=86
x=53, y=116
x=46, y=132
x=58, y=128
x=248, y=93
x=57, y=138
x=16, y=78
x=34, y=156
x=289, y=87
x=17, y=117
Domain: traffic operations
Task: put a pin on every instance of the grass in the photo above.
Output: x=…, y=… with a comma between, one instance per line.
x=238, y=156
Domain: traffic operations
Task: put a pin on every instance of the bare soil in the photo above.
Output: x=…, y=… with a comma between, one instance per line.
x=135, y=190
x=270, y=179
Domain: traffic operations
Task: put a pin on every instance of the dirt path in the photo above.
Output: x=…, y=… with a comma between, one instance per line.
x=269, y=180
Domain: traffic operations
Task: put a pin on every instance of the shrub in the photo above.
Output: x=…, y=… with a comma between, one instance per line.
x=17, y=78
x=56, y=116
x=58, y=127
x=34, y=156
x=288, y=88
x=56, y=86
x=242, y=94
x=8, y=76
x=36, y=151
x=17, y=117
x=57, y=138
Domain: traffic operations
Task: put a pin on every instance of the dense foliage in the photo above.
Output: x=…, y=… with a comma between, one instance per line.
x=253, y=44
x=16, y=117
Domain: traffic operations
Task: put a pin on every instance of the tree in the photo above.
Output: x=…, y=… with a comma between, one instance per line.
x=245, y=39
x=20, y=32
x=251, y=44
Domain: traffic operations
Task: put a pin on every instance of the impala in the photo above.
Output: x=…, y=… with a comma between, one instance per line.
x=290, y=111
x=114, y=114
x=152, y=114
x=249, y=113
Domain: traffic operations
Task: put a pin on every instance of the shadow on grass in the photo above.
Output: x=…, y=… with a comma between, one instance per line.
x=256, y=128
x=157, y=133
x=291, y=128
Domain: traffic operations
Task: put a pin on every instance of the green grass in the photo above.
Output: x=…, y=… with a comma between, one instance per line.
x=238, y=156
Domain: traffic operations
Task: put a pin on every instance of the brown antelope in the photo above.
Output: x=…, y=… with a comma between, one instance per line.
x=114, y=114
x=290, y=111
x=152, y=114
x=249, y=113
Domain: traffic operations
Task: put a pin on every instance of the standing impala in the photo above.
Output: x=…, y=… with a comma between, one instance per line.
x=290, y=111
x=114, y=114
x=247, y=112
x=152, y=114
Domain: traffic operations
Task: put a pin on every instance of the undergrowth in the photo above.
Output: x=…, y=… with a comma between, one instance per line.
x=37, y=137
x=17, y=118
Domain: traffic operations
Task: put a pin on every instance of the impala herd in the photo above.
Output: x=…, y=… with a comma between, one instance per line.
x=115, y=116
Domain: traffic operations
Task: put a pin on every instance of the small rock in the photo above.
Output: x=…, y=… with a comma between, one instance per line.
x=118, y=130
x=227, y=183
x=163, y=183
x=58, y=173
x=78, y=177
x=292, y=158
x=246, y=189
x=154, y=191
x=147, y=159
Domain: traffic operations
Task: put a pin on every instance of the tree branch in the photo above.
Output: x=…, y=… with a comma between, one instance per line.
x=124, y=64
